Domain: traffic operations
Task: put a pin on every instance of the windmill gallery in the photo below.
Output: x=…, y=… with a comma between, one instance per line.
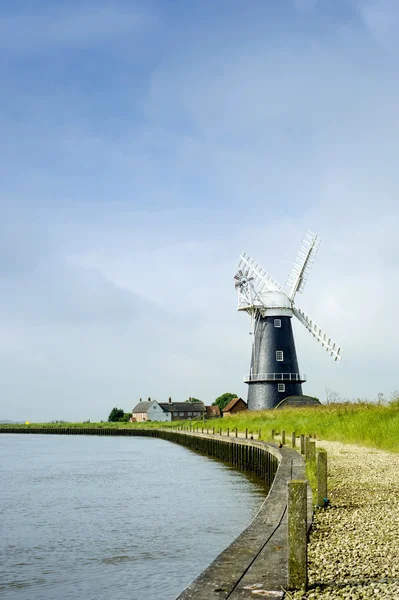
x=274, y=375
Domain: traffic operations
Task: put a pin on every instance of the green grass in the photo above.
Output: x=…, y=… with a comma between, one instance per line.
x=366, y=424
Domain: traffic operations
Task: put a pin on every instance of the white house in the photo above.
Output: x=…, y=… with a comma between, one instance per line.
x=150, y=411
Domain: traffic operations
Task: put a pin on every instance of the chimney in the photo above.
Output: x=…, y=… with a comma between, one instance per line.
x=149, y=399
x=170, y=400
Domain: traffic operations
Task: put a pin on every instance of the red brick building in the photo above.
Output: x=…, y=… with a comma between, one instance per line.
x=235, y=405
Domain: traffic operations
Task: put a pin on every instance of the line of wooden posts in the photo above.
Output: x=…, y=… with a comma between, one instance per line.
x=297, y=497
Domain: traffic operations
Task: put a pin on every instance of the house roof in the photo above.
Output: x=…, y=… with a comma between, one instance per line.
x=142, y=407
x=182, y=406
x=232, y=403
x=212, y=411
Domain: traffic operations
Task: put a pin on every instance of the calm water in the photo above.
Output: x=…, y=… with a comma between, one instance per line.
x=112, y=518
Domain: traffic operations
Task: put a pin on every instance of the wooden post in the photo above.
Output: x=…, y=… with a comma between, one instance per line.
x=273, y=434
x=236, y=431
x=297, y=535
x=283, y=438
x=220, y=431
x=302, y=444
x=293, y=439
x=307, y=439
x=321, y=477
x=246, y=434
x=202, y=430
x=228, y=432
x=259, y=434
x=213, y=430
x=311, y=457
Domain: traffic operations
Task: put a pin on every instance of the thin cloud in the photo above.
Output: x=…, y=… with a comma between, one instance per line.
x=72, y=25
x=381, y=18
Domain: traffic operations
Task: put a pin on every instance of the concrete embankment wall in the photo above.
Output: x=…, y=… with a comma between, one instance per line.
x=241, y=454
x=257, y=560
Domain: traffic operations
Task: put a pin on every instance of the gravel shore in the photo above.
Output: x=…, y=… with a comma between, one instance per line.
x=354, y=543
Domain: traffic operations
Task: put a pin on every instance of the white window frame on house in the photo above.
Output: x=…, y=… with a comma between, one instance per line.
x=281, y=387
x=279, y=355
x=277, y=322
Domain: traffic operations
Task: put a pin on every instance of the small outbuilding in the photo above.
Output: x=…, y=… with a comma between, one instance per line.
x=212, y=412
x=235, y=405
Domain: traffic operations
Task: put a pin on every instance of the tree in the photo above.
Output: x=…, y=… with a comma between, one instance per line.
x=223, y=400
x=116, y=414
x=126, y=417
x=331, y=396
x=192, y=399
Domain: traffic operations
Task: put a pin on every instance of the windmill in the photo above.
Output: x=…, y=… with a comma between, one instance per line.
x=274, y=373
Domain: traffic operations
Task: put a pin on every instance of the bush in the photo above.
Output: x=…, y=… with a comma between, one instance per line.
x=223, y=400
x=116, y=414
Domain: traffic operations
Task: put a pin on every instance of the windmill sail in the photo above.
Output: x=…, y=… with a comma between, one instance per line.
x=303, y=263
x=262, y=280
x=328, y=344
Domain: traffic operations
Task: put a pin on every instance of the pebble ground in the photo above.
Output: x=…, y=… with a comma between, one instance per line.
x=353, y=551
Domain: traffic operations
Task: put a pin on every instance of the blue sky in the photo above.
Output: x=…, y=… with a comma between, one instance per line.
x=143, y=146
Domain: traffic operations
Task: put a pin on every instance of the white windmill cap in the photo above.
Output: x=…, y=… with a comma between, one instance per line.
x=276, y=303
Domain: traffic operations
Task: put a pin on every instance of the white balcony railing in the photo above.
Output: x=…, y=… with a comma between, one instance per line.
x=275, y=377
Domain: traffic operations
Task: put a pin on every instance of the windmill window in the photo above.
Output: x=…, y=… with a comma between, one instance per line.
x=279, y=355
x=281, y=387
x=277, y=322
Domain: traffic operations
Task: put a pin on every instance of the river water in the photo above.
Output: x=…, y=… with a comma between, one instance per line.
x=113, y=518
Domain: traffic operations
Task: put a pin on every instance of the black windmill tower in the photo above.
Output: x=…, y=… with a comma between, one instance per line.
x=274, y=373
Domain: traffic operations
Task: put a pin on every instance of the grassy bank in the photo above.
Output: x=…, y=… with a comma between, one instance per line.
x=351, y=423
x=75, y=425
x=362, y=423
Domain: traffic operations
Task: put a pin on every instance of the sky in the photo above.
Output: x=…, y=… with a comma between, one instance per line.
x=144, y=145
